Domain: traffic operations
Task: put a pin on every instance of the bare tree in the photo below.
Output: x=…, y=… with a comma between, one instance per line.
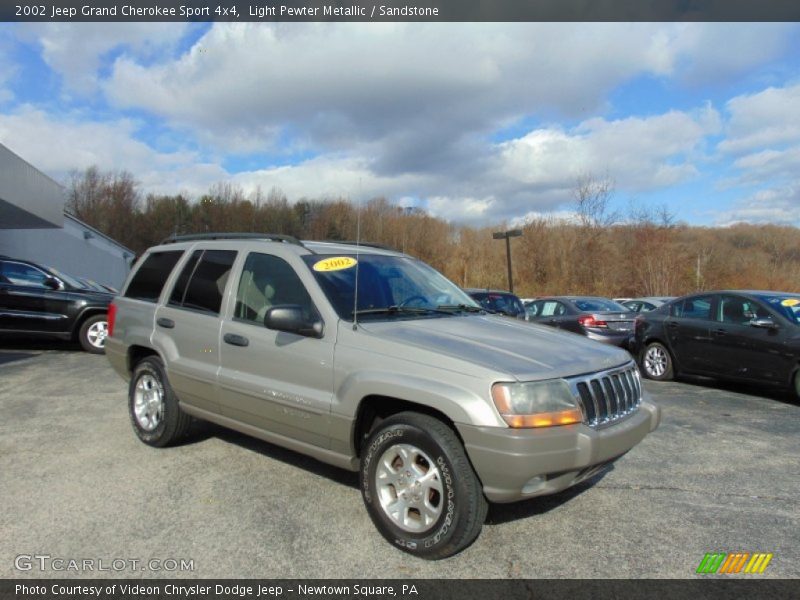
x=592, y=196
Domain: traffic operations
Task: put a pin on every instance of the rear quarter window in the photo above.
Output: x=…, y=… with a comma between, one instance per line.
x=150, y=277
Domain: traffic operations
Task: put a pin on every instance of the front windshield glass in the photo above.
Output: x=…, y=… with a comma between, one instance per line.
x=70, y=281
x=502, y=303
x=786, y=305
x=386, y=282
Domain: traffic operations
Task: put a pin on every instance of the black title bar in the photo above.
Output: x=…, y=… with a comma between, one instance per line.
x=402, y=10
x=395, y=589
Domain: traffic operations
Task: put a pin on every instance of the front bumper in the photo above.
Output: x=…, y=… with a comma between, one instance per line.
x=514, y=464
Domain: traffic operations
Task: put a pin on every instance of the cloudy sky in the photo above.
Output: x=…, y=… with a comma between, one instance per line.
x=477, y=123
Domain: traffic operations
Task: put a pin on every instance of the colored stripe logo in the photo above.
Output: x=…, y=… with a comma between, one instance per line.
x=736, y=562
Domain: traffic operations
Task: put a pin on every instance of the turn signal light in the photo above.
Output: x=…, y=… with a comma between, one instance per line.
x=562, y=417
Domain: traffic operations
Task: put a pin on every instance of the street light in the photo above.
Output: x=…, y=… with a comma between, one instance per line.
x=507, y=235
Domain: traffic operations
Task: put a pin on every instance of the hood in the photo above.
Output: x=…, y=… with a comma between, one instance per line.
x=523, y=350
x=92, y=296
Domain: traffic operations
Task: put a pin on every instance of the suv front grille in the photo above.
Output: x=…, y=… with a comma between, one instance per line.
x=608, y=396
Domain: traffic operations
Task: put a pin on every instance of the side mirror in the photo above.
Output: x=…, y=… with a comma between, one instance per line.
x=766, y=323
x=52, y=283
x=290, y=318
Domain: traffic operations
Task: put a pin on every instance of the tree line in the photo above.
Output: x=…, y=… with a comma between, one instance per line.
x=645, y=254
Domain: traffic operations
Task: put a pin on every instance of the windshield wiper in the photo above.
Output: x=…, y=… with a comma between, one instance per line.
x=462, y=308
x=394, y=309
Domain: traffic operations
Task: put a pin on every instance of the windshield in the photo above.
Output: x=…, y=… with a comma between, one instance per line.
x=384, y=282
x=786, y=305
x=70, y=281
x=599, y=305
x=498, y=302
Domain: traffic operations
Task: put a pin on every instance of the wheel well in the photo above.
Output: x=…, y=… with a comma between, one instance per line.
x=136, y=354
x=88, y=313
x=375, y=408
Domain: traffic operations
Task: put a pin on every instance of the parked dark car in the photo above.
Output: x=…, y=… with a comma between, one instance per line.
x=736, y=334
x=39, y=301
x=646, y=304
x=498, y=301
x=597, y=318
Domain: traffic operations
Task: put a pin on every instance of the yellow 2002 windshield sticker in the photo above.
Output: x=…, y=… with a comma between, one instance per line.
x=336, y=263
x=791, y=302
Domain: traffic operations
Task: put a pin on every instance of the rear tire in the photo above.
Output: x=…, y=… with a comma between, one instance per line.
x=419, y=488
x=92, y=334
x=656, y=362
x=155, y=414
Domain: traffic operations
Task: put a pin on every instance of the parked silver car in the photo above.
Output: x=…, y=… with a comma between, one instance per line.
x=371, y=360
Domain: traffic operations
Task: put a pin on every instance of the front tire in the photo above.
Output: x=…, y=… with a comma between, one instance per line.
x=92, y=334
x=419, y=488
x=155, y=414
x=657, y=362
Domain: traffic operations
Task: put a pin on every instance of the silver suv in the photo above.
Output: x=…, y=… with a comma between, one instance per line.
x=372, y=361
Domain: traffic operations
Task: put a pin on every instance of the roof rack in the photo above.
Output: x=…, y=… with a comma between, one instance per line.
x=272, y=237
x=365, y=244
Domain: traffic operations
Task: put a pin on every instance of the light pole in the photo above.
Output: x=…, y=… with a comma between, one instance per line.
x=507, y=235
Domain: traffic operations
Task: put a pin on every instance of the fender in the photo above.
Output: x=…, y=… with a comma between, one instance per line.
x=460, y=405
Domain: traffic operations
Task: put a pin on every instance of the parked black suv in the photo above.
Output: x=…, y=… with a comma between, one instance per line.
x=38, y=300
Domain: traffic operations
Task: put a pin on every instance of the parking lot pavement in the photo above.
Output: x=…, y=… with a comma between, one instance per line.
x=721, y=474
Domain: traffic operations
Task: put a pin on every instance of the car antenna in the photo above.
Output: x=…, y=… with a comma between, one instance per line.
x=358, y=243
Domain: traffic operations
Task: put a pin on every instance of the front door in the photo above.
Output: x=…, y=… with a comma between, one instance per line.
x=743, y=350
x=277, y=381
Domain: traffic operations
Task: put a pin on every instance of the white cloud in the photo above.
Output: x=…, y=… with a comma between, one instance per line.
x=768, y=118
x=778, y=205
x=59, y=145
x=75, y=50
x=409, y=109
x=340, y=85
x=638, y=153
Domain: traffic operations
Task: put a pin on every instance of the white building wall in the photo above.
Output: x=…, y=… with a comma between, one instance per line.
x=76, y=249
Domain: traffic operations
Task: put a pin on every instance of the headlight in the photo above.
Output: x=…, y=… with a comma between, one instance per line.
x=536, y=404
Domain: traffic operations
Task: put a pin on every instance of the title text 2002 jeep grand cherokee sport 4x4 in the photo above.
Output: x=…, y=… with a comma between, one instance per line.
x=402, y=377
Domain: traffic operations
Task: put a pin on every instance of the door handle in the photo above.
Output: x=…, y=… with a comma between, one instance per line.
x=165, y=323
x=672, y=324
x=235, y=340
x=720, y=331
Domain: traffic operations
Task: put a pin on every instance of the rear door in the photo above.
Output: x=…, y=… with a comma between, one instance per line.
x=553, y=313
x=688, y=330
x=277, y=381
x=187, y=326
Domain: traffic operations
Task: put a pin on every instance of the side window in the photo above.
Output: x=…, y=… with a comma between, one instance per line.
x=149, y=279
x=698, y=307
x=739, y=311
x=207, y=284
x=268, y=281
x=19, y=274
x=552, y=308
x=179, y=291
